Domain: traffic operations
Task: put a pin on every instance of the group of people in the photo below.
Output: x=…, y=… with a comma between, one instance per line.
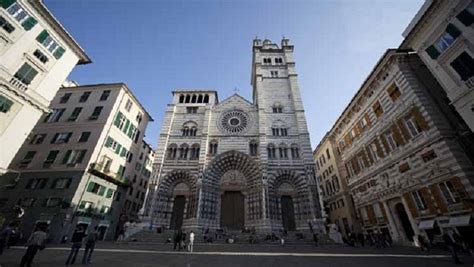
x=179, y=240
x=78, y=238
x=373, y=239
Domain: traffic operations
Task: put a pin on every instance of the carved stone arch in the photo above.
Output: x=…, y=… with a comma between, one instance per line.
x=200, y=97
x=173, y=178
x=194, y=99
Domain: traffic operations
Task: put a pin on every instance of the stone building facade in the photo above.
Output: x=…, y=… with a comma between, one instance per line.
x=403, y=152
x=442, y=34
x=36, y=56
x=337, y=201
x=237, y=164
x=78, y=164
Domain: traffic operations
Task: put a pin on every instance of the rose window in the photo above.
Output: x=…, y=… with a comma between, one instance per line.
x=234, y=121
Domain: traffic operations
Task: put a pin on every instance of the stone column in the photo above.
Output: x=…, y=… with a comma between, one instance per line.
x=391, y=222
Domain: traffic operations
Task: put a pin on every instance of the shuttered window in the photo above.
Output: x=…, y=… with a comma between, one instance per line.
x=467, y=15
x=5, y=104
x=26, y=74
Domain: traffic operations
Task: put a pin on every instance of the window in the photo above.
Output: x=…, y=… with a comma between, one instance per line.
x=327, y=153
x=295, y=153
x=50, y=44
x=104, y=210
x=84, y=97
x=60, y=138
x=412, y=125
x=128, y=105
x=52, y=202
x=402, y=168
x=267, y=60
x=277, y=110
x=390, y=140
x=213, y=148
x=36, y=183
x=26, y=74
x=467, y=15
x=75, y=113
x=139, y=117
x=61, y=183
x=5, y=25
x=172, y=149
x=28, y=157
x=428, y=156
x=96, y=113
x=464, y=66
x=183, y=151
x=283, y=152
x=86, y=205
x=40, y=56
x=27, y=202
x=447, y=189
x=377, y=109
x=394, y=92
x=191, y=110
x=419, y=200
x=74, y=156
x=55, y=115
x=65, y=98
x=274, y=74
x=84, y=137
x=95, y=188
x=38, y=139
x=373, y=151
x=105, y=95
x=195, y=152
x=279, y=60
x=20, y=15
x=271, y=151
x=110, y=193
x=51, y=157
x=253, y=148
x=448, y=37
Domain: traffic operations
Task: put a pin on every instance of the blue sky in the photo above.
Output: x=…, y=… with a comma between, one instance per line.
x=158, y=46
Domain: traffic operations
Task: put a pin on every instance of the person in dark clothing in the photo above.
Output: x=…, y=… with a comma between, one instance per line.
x=448, y=241
x=360, y=236
x=5, y=236
x=36, y=242
x=91, y=239
x=315, y=238
x=177, y=239
x=76, y=241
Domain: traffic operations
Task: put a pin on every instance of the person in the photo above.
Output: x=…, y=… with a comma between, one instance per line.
x=36, y=242
x=90, y=245
x=182, y=241
x=191, y=241
x=315, y=238
x=423, y=245
x=76, y=241
x=5, y=236
x=448, y=241
x=176, y=239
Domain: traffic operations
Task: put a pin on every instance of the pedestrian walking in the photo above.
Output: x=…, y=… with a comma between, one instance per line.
x=191, y=241
x=449, y=242
x=91, y=239
x=176, y=239
x=182, y=243
x=36, y=242
x=5, y=236
x=76, y=241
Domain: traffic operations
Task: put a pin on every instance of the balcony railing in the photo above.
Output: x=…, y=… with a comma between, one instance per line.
x=14, y=82
x=99, y=170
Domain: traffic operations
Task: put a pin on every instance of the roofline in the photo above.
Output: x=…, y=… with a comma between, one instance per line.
x=122, y=85
x=414, y=24
x=196, y=91
x=387, y=54
x=51, y=19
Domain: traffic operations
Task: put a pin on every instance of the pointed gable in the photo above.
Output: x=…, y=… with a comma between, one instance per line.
x=235, y=100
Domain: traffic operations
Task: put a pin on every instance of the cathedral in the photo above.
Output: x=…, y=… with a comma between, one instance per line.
x=237, y=164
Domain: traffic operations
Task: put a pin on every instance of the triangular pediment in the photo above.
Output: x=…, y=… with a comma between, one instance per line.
x=235, y=100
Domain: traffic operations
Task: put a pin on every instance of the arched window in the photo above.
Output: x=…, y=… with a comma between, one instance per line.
x=194, y=99
x=271, y=151
x=193, y=131
x=213, y=147
x=171, y=153
x=188, y=98
x=185, y=131
x=277, y=107
x=183, y=151
x=279, y=128
x=195, y=151
x=295, y=151
x=206, y=98
x=253, y=148
x=189, y=128
x=283, y=149
x=200, y=99
x=181, y=98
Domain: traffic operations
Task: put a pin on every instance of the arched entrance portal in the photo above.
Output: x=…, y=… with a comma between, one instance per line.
x=180, y=192
x=232, y=191
x=405, y=221
x=287, y=213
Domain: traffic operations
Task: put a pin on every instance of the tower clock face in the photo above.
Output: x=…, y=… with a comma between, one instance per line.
x=233, y=122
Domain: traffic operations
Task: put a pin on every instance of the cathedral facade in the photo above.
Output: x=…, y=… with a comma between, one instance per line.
x=236, y=164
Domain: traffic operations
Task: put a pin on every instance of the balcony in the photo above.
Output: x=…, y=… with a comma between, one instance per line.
x=14, y=82
x=100, y=171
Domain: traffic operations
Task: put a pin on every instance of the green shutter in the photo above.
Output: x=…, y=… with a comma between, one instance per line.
x=6, y=3
x=117, y=150
x=81, y=156
x=121, y=170
x=465, y=17
x=29, y=23
x=66, y=157
x=453, y=31
x=110, y=193
x=117, y=119
x=59, y=52
x=130, y=132
x=101, y=190
x=90, y=186
x=109, y=141
x=433, y=52
x=127, y=124
x=5, y=104
x=123, y=152
x=42, y=36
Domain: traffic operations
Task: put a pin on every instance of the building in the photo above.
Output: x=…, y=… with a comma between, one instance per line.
x=443, y=36
x=78, y=162
x=135, y=197
x=335, y=194
x=400, y=144
x=36, y=56
x=237, y=164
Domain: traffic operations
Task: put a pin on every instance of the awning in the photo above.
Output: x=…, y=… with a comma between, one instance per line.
x=426, y=224
x=463, y=220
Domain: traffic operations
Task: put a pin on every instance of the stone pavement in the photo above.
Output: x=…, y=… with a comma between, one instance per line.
x=118, y=255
